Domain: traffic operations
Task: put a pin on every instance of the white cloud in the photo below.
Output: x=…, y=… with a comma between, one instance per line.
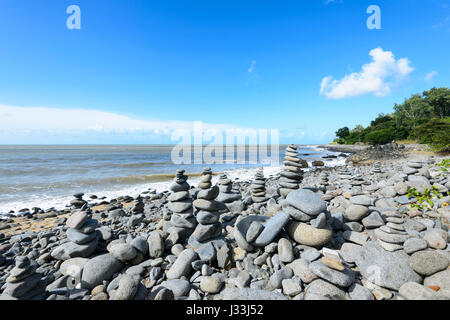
x=376, y=77
x=252, y=67
x=27, y=121
x=429, y=76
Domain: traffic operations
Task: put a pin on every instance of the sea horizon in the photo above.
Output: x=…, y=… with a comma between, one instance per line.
x=47, y=176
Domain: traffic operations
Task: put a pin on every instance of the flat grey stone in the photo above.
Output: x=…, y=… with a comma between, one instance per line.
x=307, y=202
x=320, y=288
x=342, y=279
x=358, y=292
x=412, y=245
x=386, y=269
x=249, y=294
x=182, y=266
x=271, y=229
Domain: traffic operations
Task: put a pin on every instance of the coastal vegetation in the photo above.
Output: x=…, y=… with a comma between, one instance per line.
x=424, y=118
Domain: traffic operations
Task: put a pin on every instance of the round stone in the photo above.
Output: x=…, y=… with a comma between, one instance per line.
x=123, y=252
x=210, y=284
x=428, y=263
x=356, y=212
x=308, y=235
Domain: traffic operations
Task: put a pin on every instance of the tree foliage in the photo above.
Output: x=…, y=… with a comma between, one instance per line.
x=422, y=117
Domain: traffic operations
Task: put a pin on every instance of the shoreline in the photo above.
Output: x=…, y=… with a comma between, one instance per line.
x=344, y=148
x=338, y=222
x=160, y=183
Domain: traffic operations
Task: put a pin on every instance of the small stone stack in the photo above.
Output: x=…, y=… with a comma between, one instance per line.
x=226, y=194
x=258, y=187
x=136, y=212
x=412, y=167
x=292, y=173
x=208, y=208
x=377, y=168
x=392, y=235
x=357, y=180
x=23, y=282
x=180, y=204
x=82, y=235
x=78, y=202
x=323, y=180
x=138, y=206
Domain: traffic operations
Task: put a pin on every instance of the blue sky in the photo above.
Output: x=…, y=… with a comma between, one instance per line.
x=139, y=69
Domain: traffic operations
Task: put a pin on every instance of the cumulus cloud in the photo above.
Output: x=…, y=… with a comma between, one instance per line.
x=429, y=76
x=376, y=77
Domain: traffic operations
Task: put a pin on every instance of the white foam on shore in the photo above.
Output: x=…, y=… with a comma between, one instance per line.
x=61, y=202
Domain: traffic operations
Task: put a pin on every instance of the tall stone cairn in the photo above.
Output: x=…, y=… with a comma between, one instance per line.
x=292, y=173
x=180, y=204
x=207, y=208
x=258, y=187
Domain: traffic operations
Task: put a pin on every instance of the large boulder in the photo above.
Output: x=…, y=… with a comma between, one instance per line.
x=386, y=269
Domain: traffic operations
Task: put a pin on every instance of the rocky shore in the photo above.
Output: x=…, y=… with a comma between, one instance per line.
x=340, y=233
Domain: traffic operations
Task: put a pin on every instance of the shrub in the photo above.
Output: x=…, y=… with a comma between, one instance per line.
x=382, y=136
x=435, y=132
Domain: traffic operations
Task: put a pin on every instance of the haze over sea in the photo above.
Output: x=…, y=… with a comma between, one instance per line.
x=48, y=176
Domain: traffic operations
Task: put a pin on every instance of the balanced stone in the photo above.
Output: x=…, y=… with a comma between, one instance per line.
x=83, y=236
x=180, y=204
x=307, y=201
x=258, y=187
x=207, y=229
x=23, y=282
x=225, y=188
x=290, y=179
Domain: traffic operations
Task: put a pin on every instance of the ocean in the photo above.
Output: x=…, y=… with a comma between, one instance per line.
x=48, y=176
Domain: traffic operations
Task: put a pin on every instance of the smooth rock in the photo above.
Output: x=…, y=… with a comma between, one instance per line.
x=428, y=262
x=98, y=269
x=305, y=234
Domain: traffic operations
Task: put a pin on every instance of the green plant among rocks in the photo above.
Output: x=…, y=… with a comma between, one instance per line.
x=424, y=200
x=445, y=164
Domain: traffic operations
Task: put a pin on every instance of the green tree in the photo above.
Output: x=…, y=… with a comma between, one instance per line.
x=358, y=129
x=382, y=118
x=343, y=132
x=439, y=100
x=408, y=114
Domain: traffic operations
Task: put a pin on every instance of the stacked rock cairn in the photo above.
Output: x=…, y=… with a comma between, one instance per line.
x=226, y=195
x=392, y=235
x=137, y=211
x=82, y=235
x=78, y=202
x=23, y=282
x=180, y=204
x=258, y=187
x=292, y=173
x=207, y=208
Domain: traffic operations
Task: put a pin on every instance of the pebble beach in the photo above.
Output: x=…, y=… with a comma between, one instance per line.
x=304, y=231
